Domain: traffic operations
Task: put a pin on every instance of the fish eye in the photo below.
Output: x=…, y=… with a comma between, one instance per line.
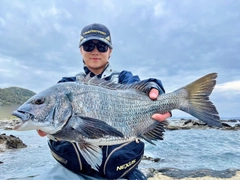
x=39, y=101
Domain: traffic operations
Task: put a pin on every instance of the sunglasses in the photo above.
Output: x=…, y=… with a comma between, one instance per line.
x=90, y=45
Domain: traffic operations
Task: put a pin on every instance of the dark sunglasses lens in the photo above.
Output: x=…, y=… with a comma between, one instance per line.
x=102, y=47
x=88, y=46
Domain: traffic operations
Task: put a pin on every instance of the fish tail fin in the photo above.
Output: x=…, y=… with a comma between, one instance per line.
x=197, y=102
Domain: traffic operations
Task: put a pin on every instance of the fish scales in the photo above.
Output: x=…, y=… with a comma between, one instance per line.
x=113, y=108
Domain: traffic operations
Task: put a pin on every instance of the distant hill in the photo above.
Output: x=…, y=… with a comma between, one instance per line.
x=14, y=96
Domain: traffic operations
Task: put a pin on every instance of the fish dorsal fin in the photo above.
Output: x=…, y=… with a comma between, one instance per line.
x=95, y=81
x=155, y=132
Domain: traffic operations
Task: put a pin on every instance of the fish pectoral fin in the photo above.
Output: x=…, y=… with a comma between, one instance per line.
x=155, y=133
x=91, y=153
x=94, y=128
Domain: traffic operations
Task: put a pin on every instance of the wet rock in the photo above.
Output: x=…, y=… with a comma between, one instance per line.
x=149, y=172
x=10, y=142
x=186, y=124
x=151, y=159
x=8, y=127
x=233, y=120
x=226, y=125
x=237, y=126
x=196, y=124
x=177, y=173
x=8, y=124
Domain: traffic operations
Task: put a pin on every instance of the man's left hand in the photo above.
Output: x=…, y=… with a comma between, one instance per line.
x=153, y=94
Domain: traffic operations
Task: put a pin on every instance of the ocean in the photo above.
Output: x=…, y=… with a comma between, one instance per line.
x=182, y=149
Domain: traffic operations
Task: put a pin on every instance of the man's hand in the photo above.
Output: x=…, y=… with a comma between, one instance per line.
x=153, y=94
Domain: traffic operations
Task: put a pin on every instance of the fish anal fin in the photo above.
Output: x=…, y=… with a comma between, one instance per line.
x=156, y=132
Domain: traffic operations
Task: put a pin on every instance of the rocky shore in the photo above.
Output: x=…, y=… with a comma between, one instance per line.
x=173, y=173
x=174, y=124
x=202, y=174
x=8, y=123
x=233, y=124
x=9, y=141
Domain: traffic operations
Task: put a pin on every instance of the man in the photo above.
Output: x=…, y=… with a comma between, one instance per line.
x=96, y=47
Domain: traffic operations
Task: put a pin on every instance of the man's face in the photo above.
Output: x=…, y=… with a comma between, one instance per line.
x=94, y=59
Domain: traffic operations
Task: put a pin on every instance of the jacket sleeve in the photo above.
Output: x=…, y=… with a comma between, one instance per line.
x=67, y=79
x=126, y=77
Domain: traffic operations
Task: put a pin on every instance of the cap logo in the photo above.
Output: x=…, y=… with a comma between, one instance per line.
x=81, y=38
x=108, y=38
x=94, y=31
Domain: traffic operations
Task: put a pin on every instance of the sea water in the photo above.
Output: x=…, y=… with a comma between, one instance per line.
x=182, y=149
x=196, y=149
x=25, y=162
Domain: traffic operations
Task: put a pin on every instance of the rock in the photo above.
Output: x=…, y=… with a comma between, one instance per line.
x=233, y=120
x=151, y=159
x=8, y=127
x=177, y=173
x=10, y=142
x=237, y=127
x=149, y=172
x=186, y=124
x=196, y=124
x=172, y=127
x=8, y=124
x=226, y=125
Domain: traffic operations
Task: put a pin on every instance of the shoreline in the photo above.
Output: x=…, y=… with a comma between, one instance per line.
x=173, y=124
x=160, y=176
x=175, y=174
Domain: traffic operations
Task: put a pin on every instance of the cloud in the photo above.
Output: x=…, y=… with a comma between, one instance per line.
x=229, y=87
x=159, y=9
x=177, y=42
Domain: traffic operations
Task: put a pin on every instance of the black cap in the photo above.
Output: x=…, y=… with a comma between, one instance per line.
x=96, y=31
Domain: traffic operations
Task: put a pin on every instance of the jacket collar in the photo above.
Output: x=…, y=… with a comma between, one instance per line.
x=106, y=72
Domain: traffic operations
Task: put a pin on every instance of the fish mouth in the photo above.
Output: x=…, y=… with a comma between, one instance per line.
x=24, y=116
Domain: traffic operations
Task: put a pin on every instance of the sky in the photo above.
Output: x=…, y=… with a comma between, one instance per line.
x=174, y=41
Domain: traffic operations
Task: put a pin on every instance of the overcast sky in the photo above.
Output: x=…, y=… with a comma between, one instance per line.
x=174, y=41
